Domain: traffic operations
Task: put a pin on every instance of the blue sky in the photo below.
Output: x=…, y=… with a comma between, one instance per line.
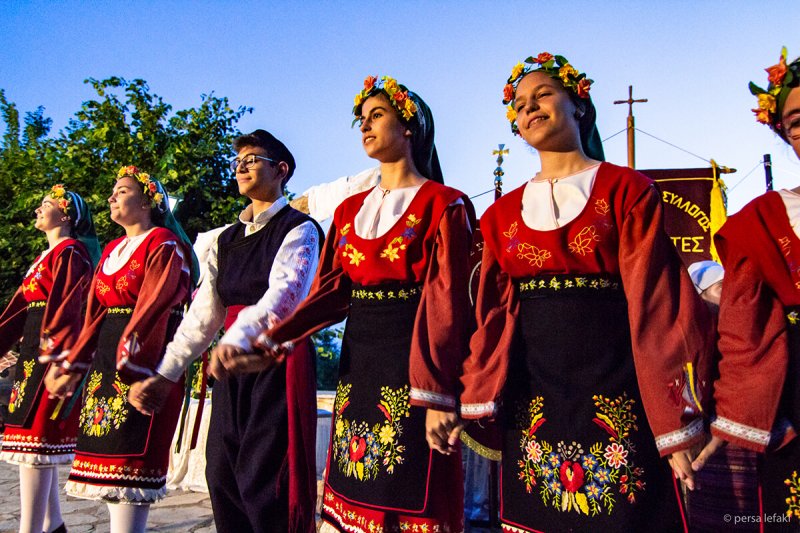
x=299, y=64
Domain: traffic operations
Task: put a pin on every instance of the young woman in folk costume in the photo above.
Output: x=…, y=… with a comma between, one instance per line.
x=586, y=321
x=757, y=394
x=139, y=289
x=395, y=265
x=47, y=312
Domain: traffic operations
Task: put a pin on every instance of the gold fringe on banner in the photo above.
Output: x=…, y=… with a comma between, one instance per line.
x=719, y=212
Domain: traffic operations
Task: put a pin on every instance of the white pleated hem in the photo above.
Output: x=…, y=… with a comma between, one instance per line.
x=112, y=494
x=34, y=460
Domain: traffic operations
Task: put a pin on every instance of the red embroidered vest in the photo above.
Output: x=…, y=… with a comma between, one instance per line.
x=38, y=281
x=121, y=288
x=588, y=244
x=403, y=253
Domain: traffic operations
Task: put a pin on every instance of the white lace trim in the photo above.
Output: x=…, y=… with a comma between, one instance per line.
x=125, y=362
x=432, y=397
x=35, y=459
x=741, y=431
x=128, y=495
x=327, y=527
x=473, y=410
x=679, y=436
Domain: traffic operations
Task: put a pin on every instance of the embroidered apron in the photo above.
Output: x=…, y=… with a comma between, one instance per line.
x=778, y=469
x=578, y=454
x=379, y=456
x=29, y=379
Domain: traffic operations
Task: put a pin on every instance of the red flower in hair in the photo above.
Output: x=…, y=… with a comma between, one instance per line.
x=152, y=186
x=777, y=72
x=508, y=93
x=583, y=88
x=369, y=82
x=544, y=57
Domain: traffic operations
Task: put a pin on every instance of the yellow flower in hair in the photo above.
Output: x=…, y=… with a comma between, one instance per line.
x=157, y=197
x=58, y=191
x=407, y=114
x=358, y=99
x=410, y=106
x=390, y=85
x=566, y=71
x=767, y=102
x=511, y=115
x=517, y=70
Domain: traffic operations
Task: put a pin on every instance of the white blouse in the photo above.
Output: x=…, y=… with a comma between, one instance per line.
x=289, y=283
x=549, y=204
x=791, y=201
x=382, y=208
x=323, y=199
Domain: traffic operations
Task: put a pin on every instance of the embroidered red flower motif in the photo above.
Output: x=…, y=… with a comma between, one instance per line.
x=98, y=415
x=777, y=72
x=544, y=57
x=508, y=93
x=369, y=82
x=358, y=447
x=571, y=475
x=13, y=398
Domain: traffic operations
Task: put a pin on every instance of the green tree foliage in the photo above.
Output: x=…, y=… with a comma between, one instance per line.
x=328, y=343
x=123, y=124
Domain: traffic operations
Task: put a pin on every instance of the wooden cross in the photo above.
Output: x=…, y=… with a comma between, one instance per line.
x=631, y=125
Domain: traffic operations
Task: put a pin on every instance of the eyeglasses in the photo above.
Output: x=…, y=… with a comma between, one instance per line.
x=248, y=161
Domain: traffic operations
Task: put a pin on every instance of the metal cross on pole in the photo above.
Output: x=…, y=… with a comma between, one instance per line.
x=498, y=172
x=631, y=125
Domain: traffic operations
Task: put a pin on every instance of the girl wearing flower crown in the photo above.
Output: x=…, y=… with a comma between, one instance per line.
x=757, y=394
x=45, y=311
x=139, y=289
x=587, y=322
x=395, y=265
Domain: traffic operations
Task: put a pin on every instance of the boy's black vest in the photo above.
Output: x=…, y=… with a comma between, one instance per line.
x=244, y=262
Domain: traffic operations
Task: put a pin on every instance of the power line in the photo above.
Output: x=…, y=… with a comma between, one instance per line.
x=481, y=194
x=612, y=136
x=730, y=189
x=674, y=146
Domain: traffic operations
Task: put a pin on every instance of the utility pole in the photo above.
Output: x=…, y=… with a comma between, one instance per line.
x=631, y=126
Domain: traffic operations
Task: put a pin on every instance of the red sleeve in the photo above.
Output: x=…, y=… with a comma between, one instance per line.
x=78, y=358
x=671, y=329
x=164, y=288
x=754, y=352
x=327, y=303
x=441, y=329
x=12, y=321
x=485, y=368
x=61, y=323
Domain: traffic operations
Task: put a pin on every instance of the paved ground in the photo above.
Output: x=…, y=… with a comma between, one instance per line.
x=179, y=512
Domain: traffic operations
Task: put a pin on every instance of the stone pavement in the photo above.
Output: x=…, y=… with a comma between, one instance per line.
x=179, y=512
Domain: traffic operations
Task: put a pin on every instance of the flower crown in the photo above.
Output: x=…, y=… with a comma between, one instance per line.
x=779, y=75
x=554, y=66
x=397, y=94
x=59, y=194
x=150, y=188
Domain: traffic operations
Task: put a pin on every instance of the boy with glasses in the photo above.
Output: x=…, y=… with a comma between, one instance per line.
x=260, y=452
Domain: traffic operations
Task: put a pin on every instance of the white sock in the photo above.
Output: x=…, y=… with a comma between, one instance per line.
x=34, y=492
x=126, y=518
x=53, y=518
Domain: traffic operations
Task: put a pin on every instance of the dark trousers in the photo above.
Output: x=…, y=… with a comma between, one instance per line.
x=247, y=453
